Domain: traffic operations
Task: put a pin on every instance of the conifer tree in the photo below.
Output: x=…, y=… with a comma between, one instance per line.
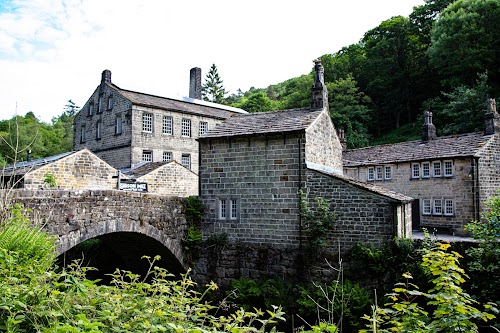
x=213, y=90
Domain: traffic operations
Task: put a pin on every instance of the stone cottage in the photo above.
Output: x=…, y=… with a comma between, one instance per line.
x=125, y=127
x=253, y=168
x=450, y=177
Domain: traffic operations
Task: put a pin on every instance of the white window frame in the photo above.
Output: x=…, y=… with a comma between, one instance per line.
x=147, y=122
x=426, y=166
x=111, y=102
x=449, y=209
x=118, y=124
x=388, y=172
x=83, y=134
x=370, y=174
x=98, y=130
x=450, y=169
x=168, y=125
x=233, y=209
x=186, y=128
x=147, y=156
x=415, y=170
x=440, y=173
x=379, y=173
x=167, y=156
x=426, y=207
x=222, y=209
x=438, y=207
x=203, y=128
x=186, y=160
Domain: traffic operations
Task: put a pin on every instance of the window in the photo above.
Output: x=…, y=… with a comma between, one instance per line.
x=388, y=172
x=448, y=207
x=186, y=160
x=98, y=130
x=83, y=137
x=222, y=209
x=380, y=173
x=99, y=104
x=426, y=169
x=233, y=209
x=167, y=156
x=438, y=207
x=147, y=122
x=168, y=127
x=371, y=174
x=426, y=207
x=186, y=128
x=110, y=102
x=436, y=169
x=147, y=156
x=415, y=170
x=118, y=124
x=203, y=127
x=91, y=108
x=448, y=168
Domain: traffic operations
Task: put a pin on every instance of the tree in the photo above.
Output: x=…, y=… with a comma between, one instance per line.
x=465, y=42
x=213, y=89
x=257, y=102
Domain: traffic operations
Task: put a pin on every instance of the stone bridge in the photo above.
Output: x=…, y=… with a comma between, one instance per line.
x=78, y=215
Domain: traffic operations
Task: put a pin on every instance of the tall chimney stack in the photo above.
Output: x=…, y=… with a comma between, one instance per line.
x=195, y=83
x=106, y=76
x=428, y=128
x=319, y=92
x=491, y=118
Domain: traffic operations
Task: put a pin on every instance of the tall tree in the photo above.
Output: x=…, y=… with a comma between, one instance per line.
x=213, y=89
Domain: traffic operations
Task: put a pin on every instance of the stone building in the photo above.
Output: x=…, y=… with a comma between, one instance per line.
x=450, y=177
x=252, y=171
x=125, y=127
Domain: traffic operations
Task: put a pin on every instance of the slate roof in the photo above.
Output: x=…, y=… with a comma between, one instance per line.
x=145, y=168
x=186, y=105
x=370, y=187
x=464, y=145
x=260, y=123
x=21, y=168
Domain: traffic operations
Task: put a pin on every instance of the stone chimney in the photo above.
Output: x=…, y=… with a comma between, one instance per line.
x=106, y=76
x=319, y=92
x=428, y=128
x=343, y=141
x=491, y=118
x=195, y=83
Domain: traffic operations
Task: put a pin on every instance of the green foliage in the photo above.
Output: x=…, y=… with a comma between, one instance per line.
x=451, y=309
x=50, y=180
x=317, y=221
x=257, y=102
x=406, y=132
x=250, y=293
x=192, y=240
x=213, y=89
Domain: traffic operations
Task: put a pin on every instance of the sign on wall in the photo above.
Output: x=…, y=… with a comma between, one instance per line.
x=127, y=185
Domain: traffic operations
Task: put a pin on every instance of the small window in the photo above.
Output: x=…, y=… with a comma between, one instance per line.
x=448, y=168
x=83, y=135
x=380, y=173
x=186, y=128
x=118, y=124
x=186, y=160
x=99, y=104
x=371, y=174
x=436, y=169
x=168, y=127
x=426, y=207
x=222, y=209
x=388, y=172
x=167, y=156
x=448, y=207
x=147, y=156
x=98, y=130
x=438, y=207
x=415, y=170
x=203, y=127
x=233, y=209
x=91, y=108
x=426, y=169
x=147, y=122
x=111, y=102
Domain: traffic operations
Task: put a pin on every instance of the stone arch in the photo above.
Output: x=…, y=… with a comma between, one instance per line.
x=68, y=241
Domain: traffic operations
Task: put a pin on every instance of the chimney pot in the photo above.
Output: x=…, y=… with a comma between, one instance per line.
x=428, y=128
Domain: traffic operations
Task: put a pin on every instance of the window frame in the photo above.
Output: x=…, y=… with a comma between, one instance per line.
x=183, y=156
x=147, y=153
x=370, y=174
x=118, y=124
x=222, y=211
x=446, y=174
x=186, y=128
x=415, y=175
x=436, y=206
x=166, y=153
x=428, y=165
x=233, y=209
x=426, y=203
x=83, y=134
x=379, y=175
x=147, y=125
x=91, y=109
x=99, y=104
x=98, y=130
x=387, y=175
x=434, y=163
x=111, y=102
x=203, y=128
x=448, y=203
x=168, y=121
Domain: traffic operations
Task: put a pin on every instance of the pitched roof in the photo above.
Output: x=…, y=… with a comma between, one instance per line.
x=23, y=167
x=444, y=147
x=264, y=123
x=145, y=169
x=370, y=187
x=186, y=105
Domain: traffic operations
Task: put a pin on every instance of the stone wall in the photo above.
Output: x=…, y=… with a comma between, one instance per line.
x=75, y=216
x=489, y=171
x=171, y=179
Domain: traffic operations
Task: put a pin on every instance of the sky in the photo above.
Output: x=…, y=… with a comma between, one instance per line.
x=55, y=50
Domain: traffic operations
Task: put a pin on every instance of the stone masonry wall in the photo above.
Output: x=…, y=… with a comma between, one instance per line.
x=76, y=215
x=80, y=170
x=171, y=179
x=489, y=171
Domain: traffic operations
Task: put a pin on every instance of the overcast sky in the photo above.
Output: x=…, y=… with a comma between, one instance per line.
x=55, y=50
